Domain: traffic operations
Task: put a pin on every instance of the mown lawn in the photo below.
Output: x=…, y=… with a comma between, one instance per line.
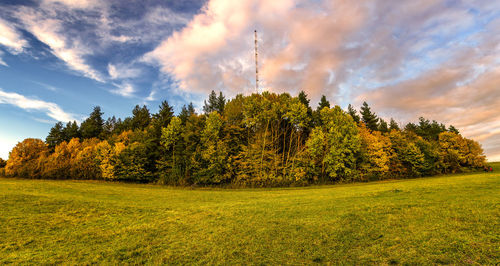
x=448, y=219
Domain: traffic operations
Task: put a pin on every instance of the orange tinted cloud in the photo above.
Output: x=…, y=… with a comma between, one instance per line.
x=408, y=59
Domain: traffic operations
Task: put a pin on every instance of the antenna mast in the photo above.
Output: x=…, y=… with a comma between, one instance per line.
x=256, y=65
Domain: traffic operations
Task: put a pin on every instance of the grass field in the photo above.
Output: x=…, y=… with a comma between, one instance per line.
x=448, y=219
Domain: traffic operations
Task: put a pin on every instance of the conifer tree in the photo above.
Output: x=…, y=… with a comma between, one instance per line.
x=304, y=100
x=186, y=112
x=393, y=125
x=323, y=102
x=92, y=127
x=56, y=136
x=141, y=117
x=110, y=125
x=353, y=113
x=71, y=131
x=453, y=129
x=368, y=117
x=212, y=103
x=382, y=127
x=221, y=103
x=163, y=117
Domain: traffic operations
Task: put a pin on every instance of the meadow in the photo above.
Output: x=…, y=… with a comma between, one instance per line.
x=452, y=219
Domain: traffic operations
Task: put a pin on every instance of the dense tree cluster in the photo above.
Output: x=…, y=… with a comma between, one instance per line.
x=263, y=139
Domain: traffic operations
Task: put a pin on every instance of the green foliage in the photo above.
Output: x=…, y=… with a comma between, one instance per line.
x=3, y=163
x=263, y=139
x=343, y=144
x=352, y=112
x=171, y=136
x=132, y=163
x=214, y=104
x=71, y=131
x=213, y=162
x=428, y=130
x=368, y=117
x=141, y=118
x=382, y=126
x=393, y=125
x=162, y=118
x=56, y=136
x=323, y=102
x=92, y=127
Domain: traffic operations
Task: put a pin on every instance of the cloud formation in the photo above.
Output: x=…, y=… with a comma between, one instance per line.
x=50, y=109
x=431, y=58
x=434, y=58
x=10, y=37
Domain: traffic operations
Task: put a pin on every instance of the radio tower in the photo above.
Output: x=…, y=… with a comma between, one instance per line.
x=256, y=65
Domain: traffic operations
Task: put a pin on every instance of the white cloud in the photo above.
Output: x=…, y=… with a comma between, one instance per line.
x=1, y=60
x=50, y=32
x=121, y=71
x=50, y=109
x=124, y=89
x=215, y=50
x=10, y=38
x=80, y=4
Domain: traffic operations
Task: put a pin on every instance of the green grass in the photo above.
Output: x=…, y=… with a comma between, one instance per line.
x=449, y=219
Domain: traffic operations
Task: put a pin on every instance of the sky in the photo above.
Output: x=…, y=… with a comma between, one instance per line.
x=430, y=58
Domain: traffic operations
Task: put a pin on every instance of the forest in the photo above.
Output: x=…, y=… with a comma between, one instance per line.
x=260, y=140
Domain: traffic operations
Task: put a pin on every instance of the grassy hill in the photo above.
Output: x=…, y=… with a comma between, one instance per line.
x=447, y=219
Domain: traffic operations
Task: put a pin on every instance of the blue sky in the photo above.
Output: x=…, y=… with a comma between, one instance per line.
x=437, y=59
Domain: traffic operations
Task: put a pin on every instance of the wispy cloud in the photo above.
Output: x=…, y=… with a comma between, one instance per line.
x=72, y=52
x=122, y=71
x=10, y=38
x=50, y=109
x=79, y=4
x=125, y=89
x=46, y=86
x=1, y=60
x=426, y=58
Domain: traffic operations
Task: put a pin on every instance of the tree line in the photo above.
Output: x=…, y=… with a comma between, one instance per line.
x=265, y=139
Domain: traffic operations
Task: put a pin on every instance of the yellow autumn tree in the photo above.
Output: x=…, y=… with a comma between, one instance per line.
x=60, y=163
x=24, y=159
x=85, y=164
x=458, y=154
x=375, y=155
x=107, y=156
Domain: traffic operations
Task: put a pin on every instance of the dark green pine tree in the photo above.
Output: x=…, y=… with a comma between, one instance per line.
x=71, y=131
x=55, y=136
x=110, y=126
x=382, y=127
x=211, y=105
x=393, y=125
x=411, y=127
x=141, y=117
x=369, y=118
x=190, y=109
x=92, y=127
x=453, y=129
x=303, y=99
x=221, y=103
x=163, y=117
x=353, y=113
x=186, y=112
x=323, y=102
